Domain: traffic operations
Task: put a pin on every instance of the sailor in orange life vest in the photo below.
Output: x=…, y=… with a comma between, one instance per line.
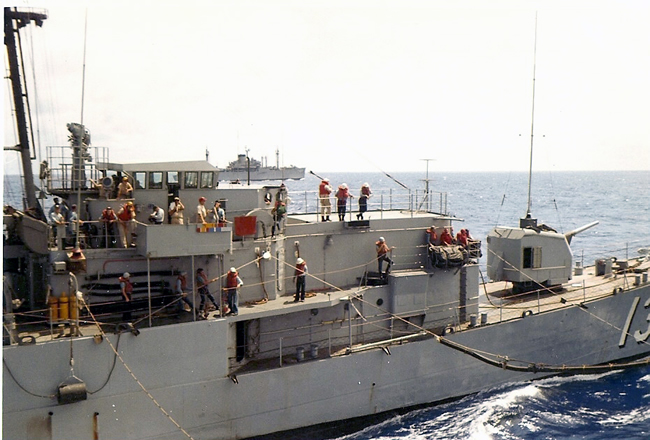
x=342, y=195
x=202, y=287
x=324, y=191
x=233, y=282
x=445, y=238
x=432, y=236
x=461, y=238
x=127, y=291
x=126, y=223
x=364, y=195
x=382, y=255
x=299, y=277
x=181, y=290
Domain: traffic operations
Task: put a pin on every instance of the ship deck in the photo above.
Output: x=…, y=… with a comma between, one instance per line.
x=496, y=303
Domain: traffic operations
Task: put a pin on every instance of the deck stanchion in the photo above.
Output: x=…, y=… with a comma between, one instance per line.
x=149, y=289
x=280, y=352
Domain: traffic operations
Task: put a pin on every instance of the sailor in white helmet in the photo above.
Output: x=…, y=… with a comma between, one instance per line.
x=233, y=282
x=299, y=277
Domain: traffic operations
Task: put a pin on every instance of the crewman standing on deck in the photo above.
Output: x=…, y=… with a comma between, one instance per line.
x=233, y=282
x=299, y=277
x=127, y=291
x=324, y=191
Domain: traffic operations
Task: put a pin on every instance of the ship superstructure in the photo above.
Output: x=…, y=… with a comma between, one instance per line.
x=80, y=361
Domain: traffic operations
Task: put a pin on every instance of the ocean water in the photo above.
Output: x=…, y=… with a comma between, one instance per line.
x=606, y=406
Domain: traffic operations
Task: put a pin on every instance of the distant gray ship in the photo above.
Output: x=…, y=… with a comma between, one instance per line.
x=244, y=169
x=97, y=343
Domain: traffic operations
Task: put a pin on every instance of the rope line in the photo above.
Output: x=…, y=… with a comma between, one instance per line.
x=132, y=374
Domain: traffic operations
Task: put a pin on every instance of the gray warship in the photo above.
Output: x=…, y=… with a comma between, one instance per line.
x=246, y=169
x=363, y=343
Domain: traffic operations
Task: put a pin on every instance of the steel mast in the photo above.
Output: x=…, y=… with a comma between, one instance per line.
x=14, y=20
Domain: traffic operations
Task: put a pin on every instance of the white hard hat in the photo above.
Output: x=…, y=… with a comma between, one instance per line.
x=382, y=239
x=300, y=260
x=233, y=270
x=126, y=275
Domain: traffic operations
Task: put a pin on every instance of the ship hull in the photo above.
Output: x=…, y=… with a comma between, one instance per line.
x=180, y=367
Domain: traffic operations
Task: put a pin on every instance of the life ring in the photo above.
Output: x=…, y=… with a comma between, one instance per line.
x=526, y=313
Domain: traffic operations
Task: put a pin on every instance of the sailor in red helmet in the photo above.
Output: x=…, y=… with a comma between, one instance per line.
x=233, y=282
x=201, y=211
x=324, y=191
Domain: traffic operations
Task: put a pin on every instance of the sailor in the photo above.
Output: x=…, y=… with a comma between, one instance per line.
x=382, y=255
x=461, y=238
x=108, y=219
x=218, y=213
x=432, y=236
x=281, y=196
x=278, y=218
x=364, y=195
x=124, y=189
x=342, y=195
x=202, y=287
x=72, y=223
x=201, y=211
x=299, y=277
x=56, y=219
x=324, y=191
x=176, y=209
x=64, y=208
x=233, y=282
x=126, y=222
x=127, y=291
x=157, y=216
x=446, y=238
x=181, y=291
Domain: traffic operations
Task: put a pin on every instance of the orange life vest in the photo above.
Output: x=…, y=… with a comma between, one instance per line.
x=231, y=279
x=128, y=287
x=124, y=214
x=324, y=189
x=300, y=269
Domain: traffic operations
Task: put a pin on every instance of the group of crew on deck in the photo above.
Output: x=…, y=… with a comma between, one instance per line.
x=342, y=195
x=230, y=294
x=447, y=238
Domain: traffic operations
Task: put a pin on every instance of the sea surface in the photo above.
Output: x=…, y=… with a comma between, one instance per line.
x=605, y=406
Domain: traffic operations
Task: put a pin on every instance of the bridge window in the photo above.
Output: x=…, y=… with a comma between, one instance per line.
x=532, y=258
x=191, y=179
x=140, y=179
x=172, y=177
x=155, y=180
x=207, y=178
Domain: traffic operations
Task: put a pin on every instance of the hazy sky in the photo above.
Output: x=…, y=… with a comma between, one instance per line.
x=348, y=85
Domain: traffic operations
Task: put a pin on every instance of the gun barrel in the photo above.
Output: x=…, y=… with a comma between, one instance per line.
x=569, y=235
